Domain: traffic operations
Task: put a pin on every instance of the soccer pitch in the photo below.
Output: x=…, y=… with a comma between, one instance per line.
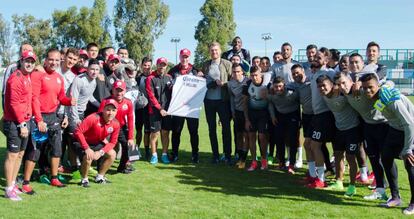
x=184, y=190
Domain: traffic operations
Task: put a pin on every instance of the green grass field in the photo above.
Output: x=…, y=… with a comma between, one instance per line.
x=184, y=190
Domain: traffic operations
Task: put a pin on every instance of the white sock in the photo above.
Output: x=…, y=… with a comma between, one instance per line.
x=13, y=183
x=164, y=154
x=320, y=171
x=86, y=179
x=99, y=176
x=312, y=170
x=364, y=173
x=155, y=154
x=300, y=153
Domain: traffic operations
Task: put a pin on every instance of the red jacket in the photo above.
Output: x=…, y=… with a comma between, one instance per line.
x=124, y=115
x=18, y=98
x=158, y=89
x=93, y=131
x=48, y=93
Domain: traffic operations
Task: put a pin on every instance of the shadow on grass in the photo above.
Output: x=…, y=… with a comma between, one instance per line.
x=229, y=180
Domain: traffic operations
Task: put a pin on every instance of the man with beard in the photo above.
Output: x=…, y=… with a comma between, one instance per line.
x=282, y=68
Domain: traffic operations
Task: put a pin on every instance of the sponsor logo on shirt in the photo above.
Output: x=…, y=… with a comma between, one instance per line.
x=110, y=129
x=125, y=107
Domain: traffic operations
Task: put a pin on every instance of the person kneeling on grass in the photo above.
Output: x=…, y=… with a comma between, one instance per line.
x=91, y=141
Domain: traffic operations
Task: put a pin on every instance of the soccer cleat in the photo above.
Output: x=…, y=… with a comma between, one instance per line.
x=371, y=176
x=298, y=164
x=11, y=194
x=194, y=159
x=409, y=210
x=165, y=159
x=215, y=160
x=76, y=176
x=291, y=170
x=375, y=195
x=84, y=183
x=16, y=189
x=44, y=179
x=282, y=166
x=263, y=165
x=358, y=176
x=27, y=189
x=270, y=160
x=242, y=165
x=57, y=183
x=391, y=202
x=253, y=166
x=124, y=171
x=310, y=179
x=228, y=162
x=317, y=184
x=373, y=185
x=154, y=160
x=103, y=180
x=336, y=186
x=174, y=158
x=351, y=191
x=223, y=157
x=237, y=163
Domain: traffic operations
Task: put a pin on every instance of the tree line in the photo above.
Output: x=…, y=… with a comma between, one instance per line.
x=137, y=24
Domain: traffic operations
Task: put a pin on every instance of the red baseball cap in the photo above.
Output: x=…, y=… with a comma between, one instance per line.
x=83, y=53
x=113, y=57
x=185, y=52
x=162, y=60
x=28, y=54
x=119, y=84
x=111, y=102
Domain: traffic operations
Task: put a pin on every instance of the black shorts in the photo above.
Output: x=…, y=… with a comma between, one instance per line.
x=15, y=143
x=157, y=122
x=142, y=119
x=374, y=135
x=54, y=131
x=348, y=140
x=258, y=120
x=323, y=127
x=239, y=121
x=306, y=124
x=81, y=152
x=394, y=143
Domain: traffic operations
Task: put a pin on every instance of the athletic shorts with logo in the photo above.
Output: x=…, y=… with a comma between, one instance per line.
x=323, y=127
x=158, y=122
x=15, y=143
x=348, y=140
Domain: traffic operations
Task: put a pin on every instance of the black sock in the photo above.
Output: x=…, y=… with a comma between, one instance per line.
x=54, y=177
x=26, y=182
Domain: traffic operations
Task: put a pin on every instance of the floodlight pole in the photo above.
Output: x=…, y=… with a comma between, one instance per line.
x=176, y=40
x=266, y=37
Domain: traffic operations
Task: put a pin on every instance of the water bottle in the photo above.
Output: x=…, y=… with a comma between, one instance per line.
x=38, y=136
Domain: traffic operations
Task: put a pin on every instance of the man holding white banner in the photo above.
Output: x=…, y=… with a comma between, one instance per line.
x=187, y=97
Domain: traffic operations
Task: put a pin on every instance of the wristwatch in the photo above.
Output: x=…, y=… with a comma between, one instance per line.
x=102, y=152
x=22, y=125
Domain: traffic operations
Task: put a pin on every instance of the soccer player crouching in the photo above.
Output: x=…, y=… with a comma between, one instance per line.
x=91, y=141
x=399, y=111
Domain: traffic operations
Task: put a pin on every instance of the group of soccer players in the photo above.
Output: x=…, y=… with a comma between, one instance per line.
x=84, y=105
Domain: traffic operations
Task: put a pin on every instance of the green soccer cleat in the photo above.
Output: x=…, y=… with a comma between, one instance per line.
x=351, y=191
x=270, y=160
x=336, y=186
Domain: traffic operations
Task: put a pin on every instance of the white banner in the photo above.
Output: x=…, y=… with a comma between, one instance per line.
x=187, y=96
